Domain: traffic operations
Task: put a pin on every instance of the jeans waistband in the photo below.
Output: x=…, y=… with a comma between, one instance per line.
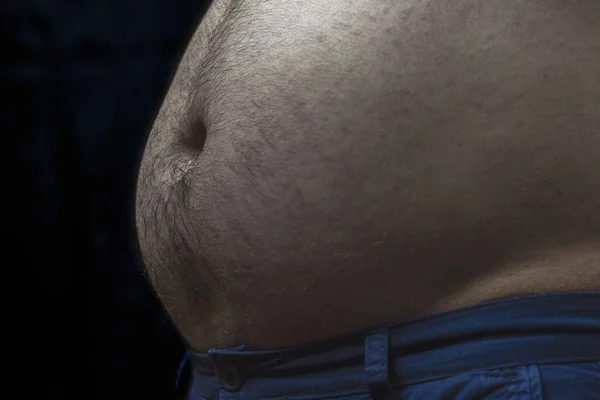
x=528, y=330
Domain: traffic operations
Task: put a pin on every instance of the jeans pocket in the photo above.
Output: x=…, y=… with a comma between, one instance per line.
x=516, y=383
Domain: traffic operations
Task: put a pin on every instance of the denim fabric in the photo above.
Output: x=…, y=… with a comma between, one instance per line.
x=537, y=347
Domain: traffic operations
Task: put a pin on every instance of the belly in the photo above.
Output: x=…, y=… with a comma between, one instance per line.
x=334, y=171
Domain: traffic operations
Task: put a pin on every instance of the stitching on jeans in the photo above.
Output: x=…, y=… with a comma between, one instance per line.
x=535, y=382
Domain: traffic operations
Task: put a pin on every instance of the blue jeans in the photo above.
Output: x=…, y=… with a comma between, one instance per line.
x=536, y=347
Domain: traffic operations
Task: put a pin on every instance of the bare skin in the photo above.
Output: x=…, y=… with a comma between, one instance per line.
x=328, y=166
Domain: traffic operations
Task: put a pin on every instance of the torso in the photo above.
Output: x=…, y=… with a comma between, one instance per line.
x=371, y=174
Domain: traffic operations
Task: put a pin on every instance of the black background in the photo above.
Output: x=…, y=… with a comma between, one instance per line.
x=80, y=83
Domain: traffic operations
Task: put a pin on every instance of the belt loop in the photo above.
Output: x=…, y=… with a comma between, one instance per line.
x=227, y=367
x=377, y=364
x=183, y=378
